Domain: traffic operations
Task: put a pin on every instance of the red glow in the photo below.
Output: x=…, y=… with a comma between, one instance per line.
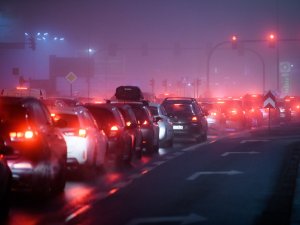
x=194, y=119
x=234, y=38
x=82, y=133
x=114, y=128
x=113, y=191
x=20, y=135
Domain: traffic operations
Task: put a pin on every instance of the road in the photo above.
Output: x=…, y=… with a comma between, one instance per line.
x=233, y=178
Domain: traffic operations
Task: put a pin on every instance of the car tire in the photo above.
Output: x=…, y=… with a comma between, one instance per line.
x=60, y=181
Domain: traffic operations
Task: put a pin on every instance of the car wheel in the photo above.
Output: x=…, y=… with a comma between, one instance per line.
x=60, y=181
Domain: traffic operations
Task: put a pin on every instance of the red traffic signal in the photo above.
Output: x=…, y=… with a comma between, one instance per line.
x=234, y=40
x=272, y=40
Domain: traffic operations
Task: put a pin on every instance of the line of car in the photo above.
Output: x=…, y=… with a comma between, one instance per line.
x=41, y=140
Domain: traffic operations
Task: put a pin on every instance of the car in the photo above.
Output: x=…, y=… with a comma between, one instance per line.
x=188, y=117
x=133, y=96
x=5, y=184
x=148, y=124
x=86, y=143
x=110, y=119
x=215, y=117
x=235, y=114
x=285, y=111
x=34, y=148
x=164, y=123
x=132, y=126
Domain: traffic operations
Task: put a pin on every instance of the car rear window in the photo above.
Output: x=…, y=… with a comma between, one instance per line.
x=179, y=109
x=72, y=120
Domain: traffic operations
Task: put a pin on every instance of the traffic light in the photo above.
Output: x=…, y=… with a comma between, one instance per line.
x=32, y=43
x=234, y=40
x=271, y=40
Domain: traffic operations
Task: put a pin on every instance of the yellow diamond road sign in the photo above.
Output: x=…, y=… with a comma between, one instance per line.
x=71, y=77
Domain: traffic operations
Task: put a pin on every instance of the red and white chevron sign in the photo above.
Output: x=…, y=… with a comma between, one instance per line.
x=269, y=100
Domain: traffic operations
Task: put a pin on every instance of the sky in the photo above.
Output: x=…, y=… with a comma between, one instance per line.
x=198, y=24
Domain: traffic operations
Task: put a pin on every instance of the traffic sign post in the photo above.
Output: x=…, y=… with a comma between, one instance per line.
x=269, y=102
x=71, y=77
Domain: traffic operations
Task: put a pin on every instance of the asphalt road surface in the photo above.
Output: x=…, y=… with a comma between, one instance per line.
x=236, y=177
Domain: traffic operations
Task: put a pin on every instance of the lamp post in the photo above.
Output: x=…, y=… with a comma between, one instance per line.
x=263, y=67
x=210, y=53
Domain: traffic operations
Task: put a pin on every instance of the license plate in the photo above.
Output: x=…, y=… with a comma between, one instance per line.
x=178, y=127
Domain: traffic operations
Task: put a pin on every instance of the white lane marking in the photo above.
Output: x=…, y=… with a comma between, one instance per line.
x=194, y=147
x=158, y=163
x=246, y=153
x=79, y=211
x=190, y=219
x=257, y=140
x=200, y=173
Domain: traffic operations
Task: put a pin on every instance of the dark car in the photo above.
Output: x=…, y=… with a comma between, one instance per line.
x=5, y=185
x=110, y=119
x=34, y=148
x=132, y=127
x=148, y=124
x=187, y=116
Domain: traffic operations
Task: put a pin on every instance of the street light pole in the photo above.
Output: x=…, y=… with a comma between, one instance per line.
x=263, y=68
x=210, y=53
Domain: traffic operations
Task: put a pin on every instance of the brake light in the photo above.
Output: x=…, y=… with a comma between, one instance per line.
x=145, y=123
x=113, y=131
x=21, y=135
x=233, y=112
x=194, y=119
x=82, y=133
x=128, y=123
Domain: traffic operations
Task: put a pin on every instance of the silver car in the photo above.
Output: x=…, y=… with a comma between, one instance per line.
x=164, y=122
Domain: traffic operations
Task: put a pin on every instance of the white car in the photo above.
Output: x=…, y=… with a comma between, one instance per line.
x=164, y=123
x=86, y=144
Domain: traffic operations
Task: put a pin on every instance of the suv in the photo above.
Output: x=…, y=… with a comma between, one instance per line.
x=34, y=148
x=187, y=116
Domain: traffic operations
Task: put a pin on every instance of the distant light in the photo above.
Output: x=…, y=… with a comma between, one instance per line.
x=62, y=39
x=45, y=34
x=38, y=34
x=26, y=34
x=44, y=38
x=55, y=38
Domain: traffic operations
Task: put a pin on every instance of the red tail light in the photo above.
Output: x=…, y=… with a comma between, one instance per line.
x=194, y=119
x=234, y=111
x=21, y=135
x=128, y=123
x=145, y=122
x=82, y=133
x=113, y=131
